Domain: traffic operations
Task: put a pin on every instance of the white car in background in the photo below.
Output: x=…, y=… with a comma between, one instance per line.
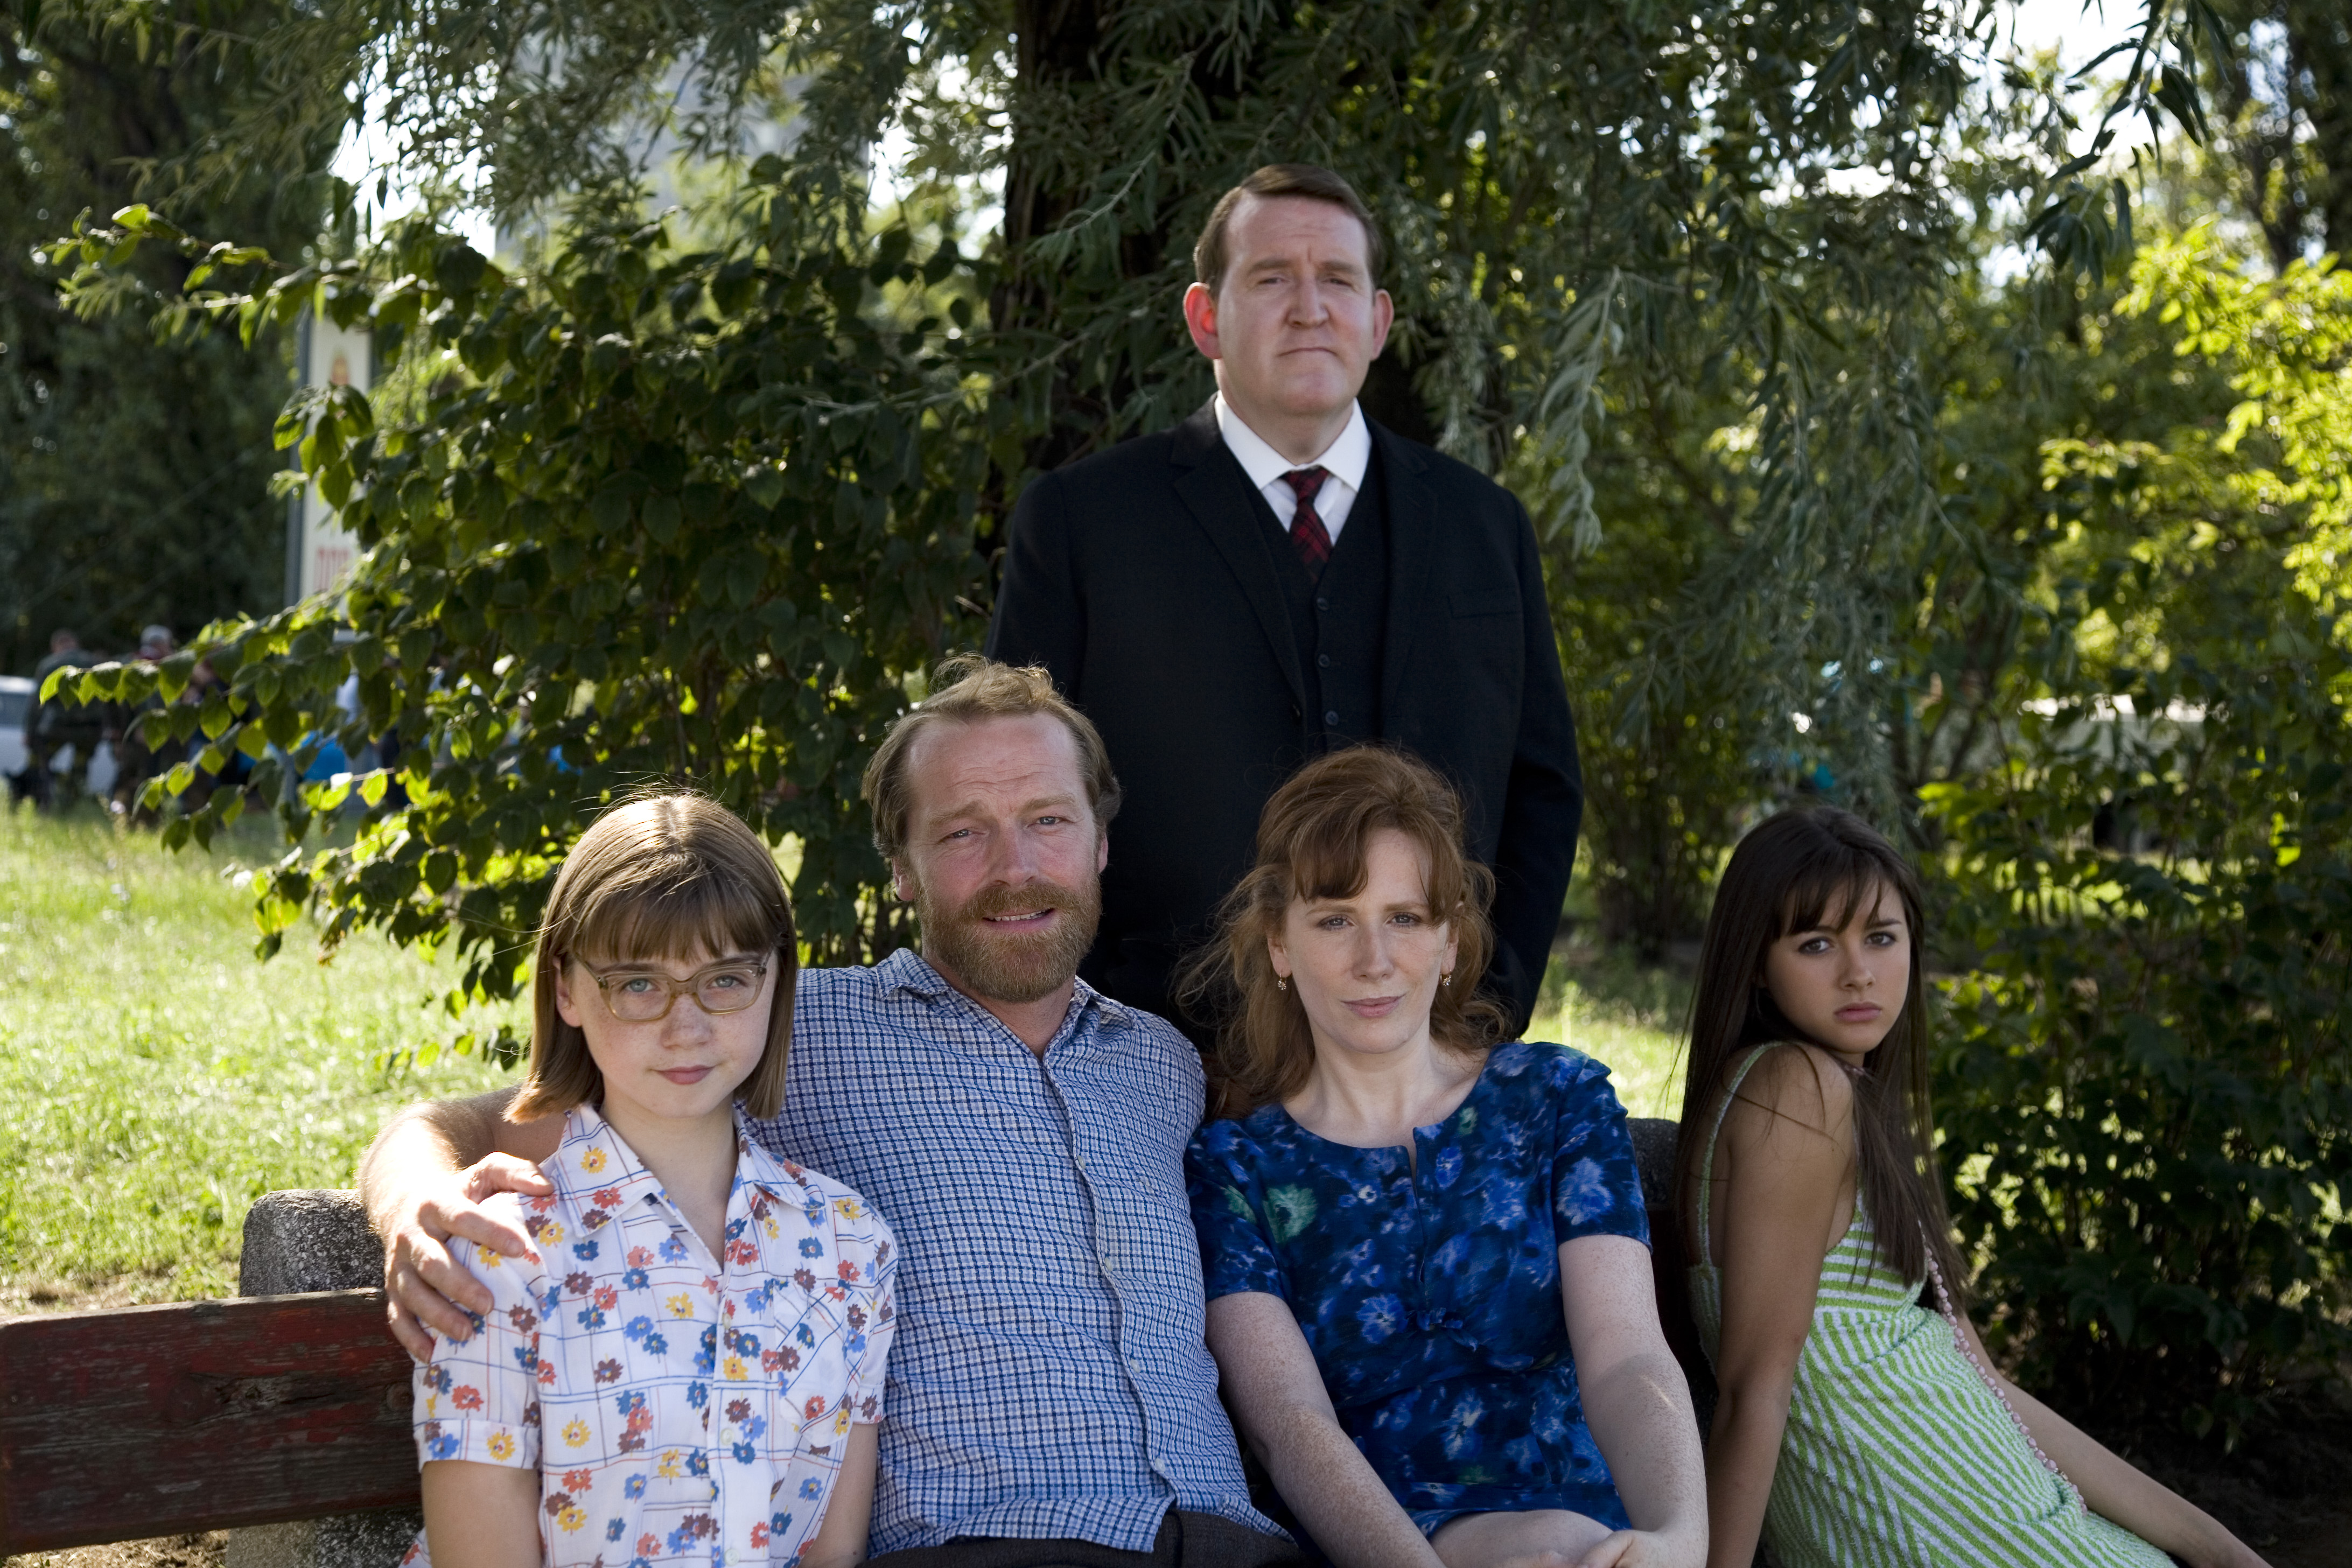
x=15, y=702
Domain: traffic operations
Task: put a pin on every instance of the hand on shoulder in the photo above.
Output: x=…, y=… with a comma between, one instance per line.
x=428, y=1292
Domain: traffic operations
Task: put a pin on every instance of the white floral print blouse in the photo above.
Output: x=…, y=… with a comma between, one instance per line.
x=679, y=1408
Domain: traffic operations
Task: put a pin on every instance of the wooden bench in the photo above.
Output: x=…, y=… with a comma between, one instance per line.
x=291, y=1404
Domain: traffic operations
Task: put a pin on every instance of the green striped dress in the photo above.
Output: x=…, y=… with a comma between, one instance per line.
x=1899, y=1451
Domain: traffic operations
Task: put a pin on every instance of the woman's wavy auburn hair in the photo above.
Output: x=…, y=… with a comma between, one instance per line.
x=1311, y=842
x=663, y=877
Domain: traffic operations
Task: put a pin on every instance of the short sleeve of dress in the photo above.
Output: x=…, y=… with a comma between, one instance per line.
x=479, y=1401
x=1596, y=1186
x=1228, y=1213
x=869, y=1362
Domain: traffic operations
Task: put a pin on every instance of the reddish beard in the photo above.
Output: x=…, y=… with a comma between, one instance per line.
x=1012, y=966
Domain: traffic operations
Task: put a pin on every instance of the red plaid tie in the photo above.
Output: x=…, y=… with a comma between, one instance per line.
x=1308, y=534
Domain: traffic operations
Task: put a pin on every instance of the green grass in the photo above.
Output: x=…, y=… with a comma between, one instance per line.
x=155, y=1078
x=1628, y=1015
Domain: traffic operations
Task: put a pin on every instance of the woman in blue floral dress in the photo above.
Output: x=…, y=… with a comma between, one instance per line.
x=1426, y=1256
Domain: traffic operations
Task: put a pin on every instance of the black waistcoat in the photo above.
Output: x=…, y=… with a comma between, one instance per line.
x=1340, y=622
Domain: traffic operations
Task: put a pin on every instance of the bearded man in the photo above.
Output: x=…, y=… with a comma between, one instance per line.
x=1050, y=1401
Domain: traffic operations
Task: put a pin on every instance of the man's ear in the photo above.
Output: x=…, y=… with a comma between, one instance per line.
x=1383, y=318
x=1201, y=319
x=1102, y=849
x=902, y=882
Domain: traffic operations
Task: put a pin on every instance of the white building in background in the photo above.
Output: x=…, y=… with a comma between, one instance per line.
x=319, y=553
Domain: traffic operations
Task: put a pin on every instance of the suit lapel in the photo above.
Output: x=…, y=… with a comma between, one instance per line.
x=1213, y=488
x=1412, y=543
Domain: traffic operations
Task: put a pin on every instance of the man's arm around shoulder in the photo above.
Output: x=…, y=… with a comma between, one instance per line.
x=423, y=1181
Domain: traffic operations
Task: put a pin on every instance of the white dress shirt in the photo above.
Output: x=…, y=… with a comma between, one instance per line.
x=1343, y=462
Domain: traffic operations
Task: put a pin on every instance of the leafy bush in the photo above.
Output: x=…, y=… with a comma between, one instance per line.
x=690, y=518
x=2146, y=1090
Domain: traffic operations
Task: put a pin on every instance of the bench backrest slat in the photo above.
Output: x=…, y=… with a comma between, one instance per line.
x=159, y=1420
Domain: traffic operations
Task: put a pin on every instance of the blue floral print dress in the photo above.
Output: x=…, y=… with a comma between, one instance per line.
x=1429, y=1289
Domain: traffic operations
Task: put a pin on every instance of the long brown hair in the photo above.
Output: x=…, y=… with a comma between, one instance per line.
x=1311, y=841
x=658, y=877
x=1796, y=870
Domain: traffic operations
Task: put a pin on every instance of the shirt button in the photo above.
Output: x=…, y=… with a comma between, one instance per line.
x=1366, y=1193
x=1323, y=661
x=1322, y=603
x=1332, y=716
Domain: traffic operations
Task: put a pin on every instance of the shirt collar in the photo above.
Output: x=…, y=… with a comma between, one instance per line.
x=1344, y=459
x=596, y=1158
x=907, y=970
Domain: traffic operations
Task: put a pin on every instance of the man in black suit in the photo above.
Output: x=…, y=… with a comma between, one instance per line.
x=1279, y=577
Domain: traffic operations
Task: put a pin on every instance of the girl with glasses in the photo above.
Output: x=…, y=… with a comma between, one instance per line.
x=690, y=1367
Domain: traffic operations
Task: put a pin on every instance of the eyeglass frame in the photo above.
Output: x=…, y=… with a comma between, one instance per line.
x=675, y=988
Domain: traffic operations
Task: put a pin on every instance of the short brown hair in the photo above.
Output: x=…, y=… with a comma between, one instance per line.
x=1208, y=258
x=1311, y=842
x=657, y=876
x=964, y=690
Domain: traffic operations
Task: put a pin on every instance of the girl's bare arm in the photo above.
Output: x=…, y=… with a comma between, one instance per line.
x=840, y=1541
x=481, y=1516
x=2116, y=1489
x=1787, y=1153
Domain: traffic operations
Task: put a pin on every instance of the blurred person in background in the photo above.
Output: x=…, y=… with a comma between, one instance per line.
x=51, y=727
x=135, y=761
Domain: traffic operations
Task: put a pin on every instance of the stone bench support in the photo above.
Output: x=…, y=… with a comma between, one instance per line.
x=295, y=1242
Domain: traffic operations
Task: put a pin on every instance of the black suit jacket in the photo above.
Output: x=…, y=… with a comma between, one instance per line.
x=1144, y=580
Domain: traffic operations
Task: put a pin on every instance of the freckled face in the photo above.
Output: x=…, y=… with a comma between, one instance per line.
x=1845, y=988
x=684, y=1066
x=1367, y=968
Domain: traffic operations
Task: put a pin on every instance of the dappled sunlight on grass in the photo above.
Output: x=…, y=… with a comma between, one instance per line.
x=1626, y=1014
x=155, y=1078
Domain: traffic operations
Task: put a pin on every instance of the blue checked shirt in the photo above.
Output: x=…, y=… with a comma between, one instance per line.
x=1049, y=1379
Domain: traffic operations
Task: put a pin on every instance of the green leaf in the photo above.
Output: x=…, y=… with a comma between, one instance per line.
x=459, y=267
x=662, y=515
x=765, y=486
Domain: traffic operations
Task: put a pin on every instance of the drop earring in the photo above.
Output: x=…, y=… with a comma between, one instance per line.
x=1280, y=984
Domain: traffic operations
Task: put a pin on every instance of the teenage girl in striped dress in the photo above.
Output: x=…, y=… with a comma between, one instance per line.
x=1858, y=1428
